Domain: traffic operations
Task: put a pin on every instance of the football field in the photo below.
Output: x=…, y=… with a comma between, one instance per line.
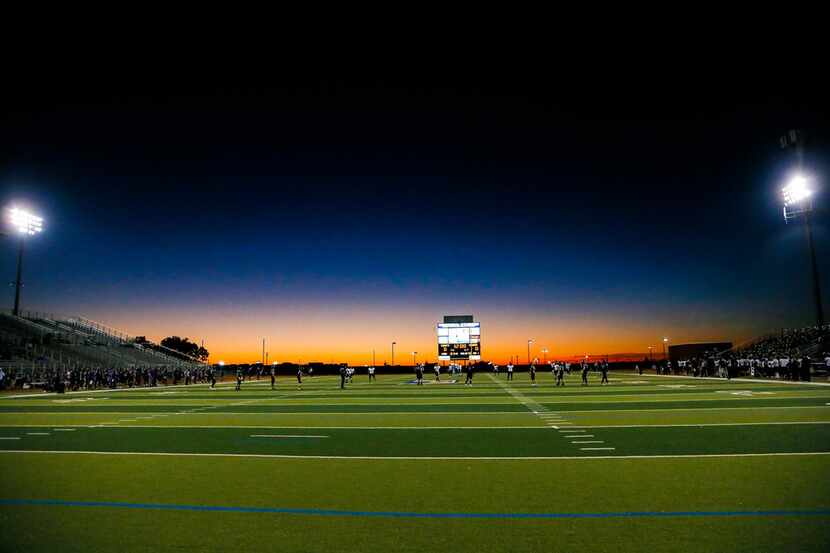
x=644, y=463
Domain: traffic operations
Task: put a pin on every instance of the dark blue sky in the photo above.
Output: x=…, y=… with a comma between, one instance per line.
x=600, y=207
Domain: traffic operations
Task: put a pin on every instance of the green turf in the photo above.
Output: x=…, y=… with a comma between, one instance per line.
x=367, y=424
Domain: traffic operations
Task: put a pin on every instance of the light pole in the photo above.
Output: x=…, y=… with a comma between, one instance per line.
x=25, y=224
x=528, y=351
x=665, y=343
x=414, y=353
x=651, y=353
x=544, y=356
x=393, y=354
x=797, y=193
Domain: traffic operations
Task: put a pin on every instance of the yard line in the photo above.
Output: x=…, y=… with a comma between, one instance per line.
x=597, y=448
x=425, y=458
x=588, y=442
x=569, y=430
x=580, y=436
x=64, y=429
x=285, y=436
x=111, y=390
x=698, y=424
x=283, y=426
x=531, y=405
x=753, y=380
x=286, y=413
x=10, y=438
x=37, y=433
x=692, y=409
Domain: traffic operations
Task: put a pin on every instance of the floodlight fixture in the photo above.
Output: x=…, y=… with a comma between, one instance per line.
x=796, y=190
x=25, y=223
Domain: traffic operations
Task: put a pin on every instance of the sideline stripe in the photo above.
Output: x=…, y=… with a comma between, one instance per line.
x=417, y=458
x=401, y=514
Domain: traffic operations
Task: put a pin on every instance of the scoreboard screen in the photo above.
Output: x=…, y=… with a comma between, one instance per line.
x=459, y=341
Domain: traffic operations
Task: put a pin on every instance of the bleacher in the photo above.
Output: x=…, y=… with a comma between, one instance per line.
x=51, y=339
x=811, y=341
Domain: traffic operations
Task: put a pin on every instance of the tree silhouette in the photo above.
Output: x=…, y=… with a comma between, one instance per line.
x=185, y=346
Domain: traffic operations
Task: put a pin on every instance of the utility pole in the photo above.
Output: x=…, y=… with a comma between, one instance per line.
x=393, y=354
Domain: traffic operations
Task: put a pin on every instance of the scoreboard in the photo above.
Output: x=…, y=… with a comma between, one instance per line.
x=459, y=340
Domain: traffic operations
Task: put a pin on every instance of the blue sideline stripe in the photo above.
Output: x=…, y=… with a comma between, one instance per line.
x=404, y=514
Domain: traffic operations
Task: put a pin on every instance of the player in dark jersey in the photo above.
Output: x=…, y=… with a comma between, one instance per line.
x=533, y=374
x=469, y=380
x=585, y=374
x=604, y=369
x=342, y=377
x=299, y=378
x=273, y=377
x=238, y=379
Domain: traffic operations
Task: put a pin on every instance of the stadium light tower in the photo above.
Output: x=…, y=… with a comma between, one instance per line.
x=24, y=224
x=650, y=353
x=393, y=353
x=797, y=194
x=528, y=351
x=665, y=344
x=544, y=356
x=414, y=354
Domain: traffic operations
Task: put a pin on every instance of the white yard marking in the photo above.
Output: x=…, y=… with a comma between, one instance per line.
x=588, y=442
x=285, y=436
x=750, y=380
x=63, y=430
x=579, y=436
x=10, y=438
x=589, y=426
x=532, y=405
x=112, y=390
x=37, y=433
x=429, y=458
x=597, y=448
x=74, y=400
